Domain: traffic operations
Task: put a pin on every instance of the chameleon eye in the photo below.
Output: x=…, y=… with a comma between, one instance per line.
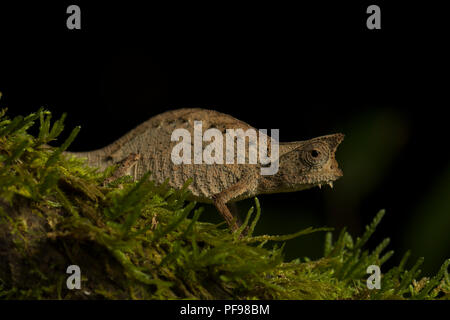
x=315, y=154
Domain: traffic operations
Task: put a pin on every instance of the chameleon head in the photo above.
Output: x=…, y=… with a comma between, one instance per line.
x=306, y=164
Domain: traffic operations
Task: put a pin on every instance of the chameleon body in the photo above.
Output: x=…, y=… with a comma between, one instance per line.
x=302, y=164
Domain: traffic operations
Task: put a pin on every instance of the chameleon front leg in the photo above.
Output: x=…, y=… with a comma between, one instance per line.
x=220, y=202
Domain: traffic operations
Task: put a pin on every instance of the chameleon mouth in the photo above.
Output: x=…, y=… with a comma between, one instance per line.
x=329, y=183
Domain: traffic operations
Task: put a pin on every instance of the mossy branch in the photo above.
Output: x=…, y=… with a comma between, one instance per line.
x=138, y=240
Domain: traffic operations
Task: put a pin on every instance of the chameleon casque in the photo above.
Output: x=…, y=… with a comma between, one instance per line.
x=302, y=164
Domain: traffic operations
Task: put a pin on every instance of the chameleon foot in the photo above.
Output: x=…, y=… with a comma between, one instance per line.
x=225, y=212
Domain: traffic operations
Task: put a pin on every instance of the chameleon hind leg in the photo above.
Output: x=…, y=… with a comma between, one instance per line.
x=221, y=199
x=126, y=166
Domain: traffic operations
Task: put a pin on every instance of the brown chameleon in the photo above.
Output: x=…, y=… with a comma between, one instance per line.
x=302, y=164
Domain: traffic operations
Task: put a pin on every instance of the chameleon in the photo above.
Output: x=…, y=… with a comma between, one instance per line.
x=301, y=164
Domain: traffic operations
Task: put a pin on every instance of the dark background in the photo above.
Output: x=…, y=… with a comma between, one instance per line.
x=306, y=70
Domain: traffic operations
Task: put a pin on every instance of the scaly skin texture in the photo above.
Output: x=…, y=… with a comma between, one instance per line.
x=302, y=164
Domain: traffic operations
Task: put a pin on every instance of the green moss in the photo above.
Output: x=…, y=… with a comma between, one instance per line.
x=137, y=240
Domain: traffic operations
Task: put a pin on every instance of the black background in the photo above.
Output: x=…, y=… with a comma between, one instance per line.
x=305, y=69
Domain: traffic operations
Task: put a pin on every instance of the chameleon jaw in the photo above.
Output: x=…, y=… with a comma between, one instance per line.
x=330, y=183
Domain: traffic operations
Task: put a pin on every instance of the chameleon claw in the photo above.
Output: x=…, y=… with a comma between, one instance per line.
x=330, y=184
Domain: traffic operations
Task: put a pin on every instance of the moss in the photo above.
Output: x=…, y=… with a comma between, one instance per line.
x=137, y=240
